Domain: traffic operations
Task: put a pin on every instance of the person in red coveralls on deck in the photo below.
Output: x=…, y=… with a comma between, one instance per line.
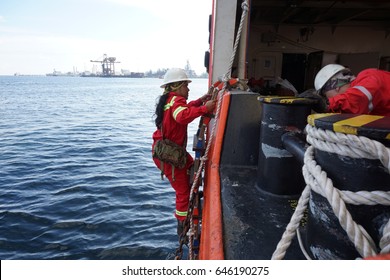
x=173, y=114
x=367, y=93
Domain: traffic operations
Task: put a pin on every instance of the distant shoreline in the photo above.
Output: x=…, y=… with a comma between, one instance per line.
x=70, y=76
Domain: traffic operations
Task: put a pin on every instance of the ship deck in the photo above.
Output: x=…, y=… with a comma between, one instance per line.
x=253, y=220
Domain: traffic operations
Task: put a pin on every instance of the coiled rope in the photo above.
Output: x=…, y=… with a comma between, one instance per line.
x=226, y=78
x=316, y=179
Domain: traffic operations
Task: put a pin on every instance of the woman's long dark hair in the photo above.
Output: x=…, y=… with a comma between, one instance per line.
x=159, y=113
x=163, y=100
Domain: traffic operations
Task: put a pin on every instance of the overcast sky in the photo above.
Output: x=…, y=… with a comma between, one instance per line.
x=37, y=36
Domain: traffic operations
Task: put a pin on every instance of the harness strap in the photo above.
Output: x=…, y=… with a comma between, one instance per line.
x=162, y=169
x=173, y=173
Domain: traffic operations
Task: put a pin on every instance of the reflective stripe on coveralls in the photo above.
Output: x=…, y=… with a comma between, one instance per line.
x=180, y=213
x=369, y=96
x=177, y=111
x=170, y=104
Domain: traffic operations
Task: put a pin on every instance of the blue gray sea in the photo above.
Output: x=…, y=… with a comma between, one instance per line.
x=76, y=176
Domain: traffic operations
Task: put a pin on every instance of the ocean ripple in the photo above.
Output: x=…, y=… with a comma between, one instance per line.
x=76, y=176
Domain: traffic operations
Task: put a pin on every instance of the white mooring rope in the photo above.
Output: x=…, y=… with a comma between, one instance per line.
x=316, y=179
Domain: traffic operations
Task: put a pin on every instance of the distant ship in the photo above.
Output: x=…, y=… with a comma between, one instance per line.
x=60, y=74
x=101, y=75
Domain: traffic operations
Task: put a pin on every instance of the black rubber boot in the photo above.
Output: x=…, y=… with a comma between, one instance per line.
x=180, y=227
x=180, y=231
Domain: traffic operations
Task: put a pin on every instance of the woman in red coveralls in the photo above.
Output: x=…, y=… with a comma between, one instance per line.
x=367, y=93
x=173, y=114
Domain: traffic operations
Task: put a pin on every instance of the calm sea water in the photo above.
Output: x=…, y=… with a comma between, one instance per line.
x=76, y=176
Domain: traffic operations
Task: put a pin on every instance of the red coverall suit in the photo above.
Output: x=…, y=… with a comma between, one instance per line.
x=369, y=93
x=177, y=115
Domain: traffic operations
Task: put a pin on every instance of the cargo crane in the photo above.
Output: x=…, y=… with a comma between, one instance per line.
x=108, y=65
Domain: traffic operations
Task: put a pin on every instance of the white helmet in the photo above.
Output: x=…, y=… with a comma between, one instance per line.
x=175, y=75
x=326, y=73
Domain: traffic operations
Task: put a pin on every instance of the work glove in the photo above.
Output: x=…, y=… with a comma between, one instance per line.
x=321, y=106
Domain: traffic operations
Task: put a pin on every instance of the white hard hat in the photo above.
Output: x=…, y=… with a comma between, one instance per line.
x=326, y=73
x=175, y=75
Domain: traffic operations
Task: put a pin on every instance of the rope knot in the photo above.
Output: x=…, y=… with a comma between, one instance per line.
x=245, y=6
x=190, y=232
x=226, y=78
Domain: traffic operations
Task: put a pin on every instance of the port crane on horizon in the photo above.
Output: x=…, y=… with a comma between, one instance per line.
x=108, y=65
